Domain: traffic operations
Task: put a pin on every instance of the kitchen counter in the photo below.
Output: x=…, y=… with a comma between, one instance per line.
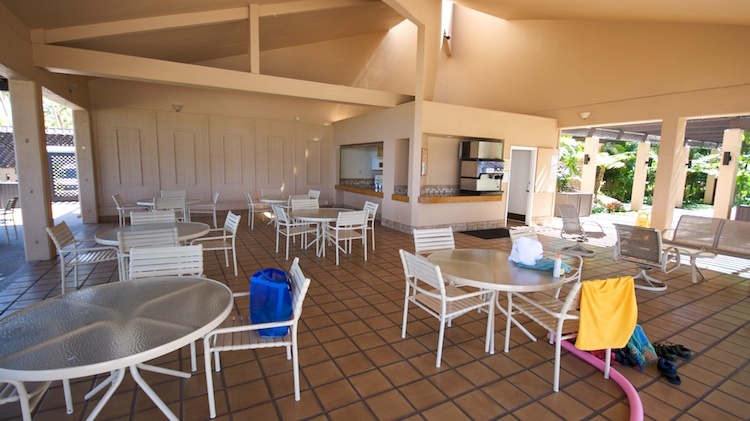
x=366, y=192
x=461, y=198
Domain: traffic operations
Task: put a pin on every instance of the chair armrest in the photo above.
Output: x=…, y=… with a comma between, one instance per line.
x=670, y=259
x=198, y=240
x=247, y=327
x=592, y=223
x=88, y=249
x=668, y=234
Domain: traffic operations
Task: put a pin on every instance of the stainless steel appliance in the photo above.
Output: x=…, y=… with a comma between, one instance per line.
x=378, y=183
x=481, y=166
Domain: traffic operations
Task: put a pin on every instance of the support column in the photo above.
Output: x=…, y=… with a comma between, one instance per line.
x=33, y=168
x=588, y=170
x=708, y=195
x=727, y=181
x=670, y=158
x=640, y=172
x=85, y=161
x=681, y=176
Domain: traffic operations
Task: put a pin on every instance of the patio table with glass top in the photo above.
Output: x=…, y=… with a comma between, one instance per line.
x=185, y=231
x=491, y=270
x=321, y=217
x=110, y=328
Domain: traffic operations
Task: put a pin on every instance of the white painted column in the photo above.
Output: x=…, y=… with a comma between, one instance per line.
x=33, y=168
x=640, y=173
x=681, y=177
x=725, y=185
x=588, y=170
x=85, y=161
x=670, y=158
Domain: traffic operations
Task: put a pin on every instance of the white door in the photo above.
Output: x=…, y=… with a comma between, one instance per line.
x=521, y=184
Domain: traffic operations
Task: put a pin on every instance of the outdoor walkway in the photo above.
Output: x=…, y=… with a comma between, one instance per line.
x=355, y=365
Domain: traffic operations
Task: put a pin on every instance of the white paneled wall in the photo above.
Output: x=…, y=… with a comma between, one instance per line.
x=140, y=153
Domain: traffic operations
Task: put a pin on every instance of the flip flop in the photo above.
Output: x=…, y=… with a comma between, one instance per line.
x=669, y=371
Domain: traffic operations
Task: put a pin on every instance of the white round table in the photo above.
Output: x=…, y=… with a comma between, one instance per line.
x=318, y=216
x=185, y=231
x=491, y=270
x=111, y=328
x=275, y=200
x=150, y=202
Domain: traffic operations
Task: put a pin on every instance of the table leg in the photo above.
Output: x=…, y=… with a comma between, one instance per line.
x=162, y=370
x=489, y=343
x=151, y=394
x=510, y=319
x=115, y=384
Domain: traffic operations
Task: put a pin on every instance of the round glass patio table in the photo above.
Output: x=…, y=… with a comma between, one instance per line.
x=185, y=231
x=320, y=216
x=111, y=328
x=491, y=270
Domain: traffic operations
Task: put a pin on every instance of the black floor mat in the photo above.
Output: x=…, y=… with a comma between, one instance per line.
x=489, y=234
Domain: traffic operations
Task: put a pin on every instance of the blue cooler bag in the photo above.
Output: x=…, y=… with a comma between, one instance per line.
x=270, y=300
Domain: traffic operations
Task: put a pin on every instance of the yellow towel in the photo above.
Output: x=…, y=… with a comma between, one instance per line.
x=609, y=312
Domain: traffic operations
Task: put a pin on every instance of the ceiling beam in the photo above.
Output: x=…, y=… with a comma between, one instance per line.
x=183, y=20
x=76, y=61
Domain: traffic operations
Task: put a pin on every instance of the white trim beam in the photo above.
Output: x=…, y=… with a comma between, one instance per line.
x=76, y=61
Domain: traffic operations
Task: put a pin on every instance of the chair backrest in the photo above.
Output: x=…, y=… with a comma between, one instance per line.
x=231, y=223
x=639, y=243
x=299, y=286
x=169, y=203
x=353, y=219
x=517, y=233
x=216, y=198
x=155, y=217
x=270, y=192
x=61, y=236
x=304, y=203
x=118, y=201
x=418, y=269
x=571, y=222
x=166, y=261
x=146, y=238
x=313, y=194
x=734, y=238
x=173, y=193
x=433, y=239
x=697, y=231
x=281, y=217
x=372, y=210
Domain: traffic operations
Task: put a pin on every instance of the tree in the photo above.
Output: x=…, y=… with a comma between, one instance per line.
x=612, y=155
x=568, y=170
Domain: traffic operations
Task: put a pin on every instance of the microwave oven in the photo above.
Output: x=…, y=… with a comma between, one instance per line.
x=377, y=163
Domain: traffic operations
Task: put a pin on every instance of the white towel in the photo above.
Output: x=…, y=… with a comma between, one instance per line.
x=526, y=251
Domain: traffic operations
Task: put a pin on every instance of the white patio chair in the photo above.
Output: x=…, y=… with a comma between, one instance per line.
x=72, y=254
x=270, y=192
x=313, y=194
x=173, y=203
x=349, y=226
x=239, y=333
x=205, y=208
x=124, y=210
x=561, y=318
x=149, y=238
x=27, y=394
x=254, y=208
x=290, y=229
x=9, y=217
x=225, y=241
x=146, y=262
x=643, y=246
x=372, y=210
x=426, y=289
x=173, y=193
x=154, y=217
x=574, y=228
x=427, y=241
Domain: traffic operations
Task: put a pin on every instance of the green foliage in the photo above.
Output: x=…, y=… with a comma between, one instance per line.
x=742, y=188
x=568, y=170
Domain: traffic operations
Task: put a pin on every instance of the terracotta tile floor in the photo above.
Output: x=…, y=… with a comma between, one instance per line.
x=355, y=365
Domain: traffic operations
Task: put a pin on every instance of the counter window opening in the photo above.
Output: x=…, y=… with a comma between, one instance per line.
x=361, y=166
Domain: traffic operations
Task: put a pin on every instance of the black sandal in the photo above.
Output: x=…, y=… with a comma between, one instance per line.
x=666, y=351
x=669, y=371
x=681, y=351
